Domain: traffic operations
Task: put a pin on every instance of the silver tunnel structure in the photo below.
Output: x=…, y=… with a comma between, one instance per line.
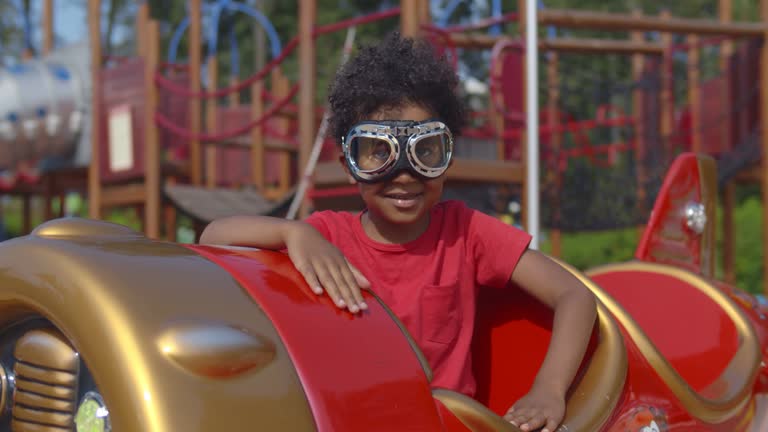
x=45, y=111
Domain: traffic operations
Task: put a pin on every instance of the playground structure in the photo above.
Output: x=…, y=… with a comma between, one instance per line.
x=161, y=142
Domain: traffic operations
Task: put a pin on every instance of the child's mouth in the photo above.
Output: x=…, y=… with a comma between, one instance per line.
x=404, y=200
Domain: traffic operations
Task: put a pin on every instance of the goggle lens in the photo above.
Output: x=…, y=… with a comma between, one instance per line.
x=370, y=153
x=432, y=151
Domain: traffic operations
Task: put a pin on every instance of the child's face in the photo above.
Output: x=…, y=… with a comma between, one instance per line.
x=404, y=199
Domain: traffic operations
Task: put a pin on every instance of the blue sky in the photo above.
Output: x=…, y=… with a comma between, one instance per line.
x=70, y=22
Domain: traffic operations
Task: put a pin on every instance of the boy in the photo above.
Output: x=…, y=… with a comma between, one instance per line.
x=395, y=110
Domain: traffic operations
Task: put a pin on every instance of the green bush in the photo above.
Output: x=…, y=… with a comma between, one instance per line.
x=748, y=227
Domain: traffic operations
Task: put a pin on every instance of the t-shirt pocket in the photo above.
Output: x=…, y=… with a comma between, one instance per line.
x=442, y=315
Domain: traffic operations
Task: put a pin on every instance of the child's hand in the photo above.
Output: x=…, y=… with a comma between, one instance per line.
x=538, y=408
x=324, y=267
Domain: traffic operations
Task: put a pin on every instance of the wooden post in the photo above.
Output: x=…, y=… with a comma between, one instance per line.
x=233, y=101
x=409, y=17
x=667, y=103
x=26, y=214
x=572, y=19
x=47, y=48
x=151, y=137
x=47, y=26
x=195, y=104
x=523, y=136
x=764, y=137
x=169, y=215
x=211, y=111
x=142, y=17
x=94, y=172
x=640, y=135
x=729, y=235
x=553, y=117
x=694, y=91
x=48, y=198
x=307, y=66
x=425, y=17
x=62, y=204
x=257, y=136
x=496, y=116
x=280, y=89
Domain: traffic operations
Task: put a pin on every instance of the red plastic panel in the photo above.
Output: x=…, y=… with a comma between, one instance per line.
x=123, y=84
x=690, y=330
x=174, y=107
x=666, y=239
x=233, y=164
x=506, y=88
x=512, y=333
x=359, y=372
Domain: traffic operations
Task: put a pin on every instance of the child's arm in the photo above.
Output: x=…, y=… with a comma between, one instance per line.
x=321, y=264
x=574, y=317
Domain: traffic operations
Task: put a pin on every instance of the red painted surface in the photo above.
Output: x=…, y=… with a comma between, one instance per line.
x=511, y=338
x=647, y=398
x=123, y=85
x=353, y=384
x=688, y=328
x=666, y=239
x=350, y=386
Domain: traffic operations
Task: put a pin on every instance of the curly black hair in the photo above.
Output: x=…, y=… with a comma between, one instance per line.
x=395, y=72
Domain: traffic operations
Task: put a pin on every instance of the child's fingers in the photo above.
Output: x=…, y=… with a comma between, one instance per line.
x=328, y=282
x=342, y=286
x=353, y=286
x=308, y=273
x=534, y=422
x=551, y=425
x=520, y=417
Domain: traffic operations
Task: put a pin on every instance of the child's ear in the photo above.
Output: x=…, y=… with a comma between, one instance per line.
x=343, y=162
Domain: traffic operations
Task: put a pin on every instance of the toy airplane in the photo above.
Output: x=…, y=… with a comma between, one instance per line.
x=103, y=329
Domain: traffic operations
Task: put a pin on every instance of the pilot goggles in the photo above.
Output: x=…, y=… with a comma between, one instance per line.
x=378, y=150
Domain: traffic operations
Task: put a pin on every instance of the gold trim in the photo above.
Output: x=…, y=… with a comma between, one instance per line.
x=708, y=185
x=46, y=375
x=47, y=350
x=214, y=349
x=748, y=417
x=46, y=367
x=743, y=367
x=4, y=391
x=37, y=417
x=475, y=416
x=74, y=227
x=594, y=397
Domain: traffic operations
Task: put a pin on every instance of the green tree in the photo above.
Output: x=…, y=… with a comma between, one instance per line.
x=11, y=32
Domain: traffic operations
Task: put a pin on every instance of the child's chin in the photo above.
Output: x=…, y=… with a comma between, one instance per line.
x=402, y=217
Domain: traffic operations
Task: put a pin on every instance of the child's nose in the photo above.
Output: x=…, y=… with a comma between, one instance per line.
x=404, y=176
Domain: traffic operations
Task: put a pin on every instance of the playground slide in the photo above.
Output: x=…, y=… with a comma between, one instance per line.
x=44, y=111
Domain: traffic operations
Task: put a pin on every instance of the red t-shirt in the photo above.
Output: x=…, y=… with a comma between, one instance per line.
x=431, y=283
